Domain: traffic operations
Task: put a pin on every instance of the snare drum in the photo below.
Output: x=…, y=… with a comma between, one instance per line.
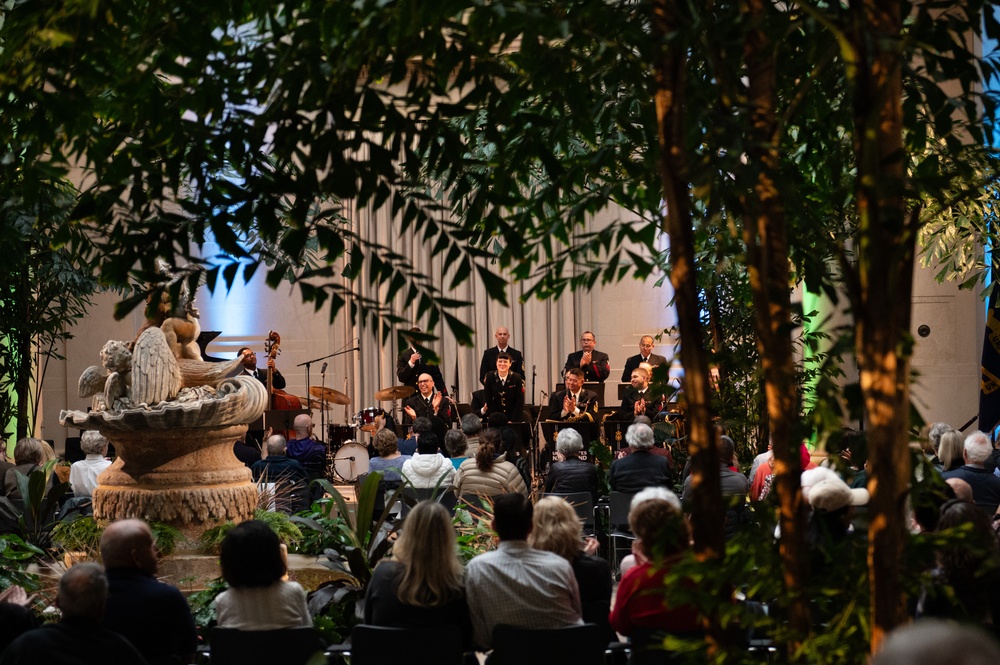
x=351, y=461
x=366, y=418
x=339, y=434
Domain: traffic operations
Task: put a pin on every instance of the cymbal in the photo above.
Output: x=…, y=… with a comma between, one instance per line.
x=332, y=396
x=311, y=403
x=393, y=393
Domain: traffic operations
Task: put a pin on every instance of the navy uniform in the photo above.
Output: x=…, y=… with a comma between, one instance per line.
x=654, y=403
x=505, y=396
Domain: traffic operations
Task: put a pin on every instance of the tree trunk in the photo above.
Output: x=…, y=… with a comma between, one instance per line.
x=880, y=290
x=766, y=238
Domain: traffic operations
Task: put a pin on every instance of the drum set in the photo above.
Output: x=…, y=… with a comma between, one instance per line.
x=347, y=457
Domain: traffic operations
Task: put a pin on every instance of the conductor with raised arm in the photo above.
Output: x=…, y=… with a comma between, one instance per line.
x=594, y=364
x=410, y=365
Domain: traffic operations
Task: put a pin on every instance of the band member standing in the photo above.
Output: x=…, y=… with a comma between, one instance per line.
x=410, y=365
x=574, y=400
x=504, y=391
x=645, y=355
x=639, y=399
x=594, y=364
x=490, y=355
x=250, y=368
x=430, y=403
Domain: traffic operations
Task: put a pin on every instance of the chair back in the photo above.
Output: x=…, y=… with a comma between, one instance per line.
x=375, y=645
x=572, y=645
x=618, y=507
x=290, y=646
x=582, y=503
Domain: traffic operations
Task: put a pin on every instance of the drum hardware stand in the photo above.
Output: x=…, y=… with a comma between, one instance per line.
x=536, y=474
x=322, y=402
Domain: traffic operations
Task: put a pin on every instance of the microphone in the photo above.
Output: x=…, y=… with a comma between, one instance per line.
x=543, y=393
x=322, y=370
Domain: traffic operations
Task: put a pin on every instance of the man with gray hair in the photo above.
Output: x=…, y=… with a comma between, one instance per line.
x=290, y=479
x=985, y=485
x=78, y=638
x=472, y=425
x=641, y=468
x=83, y=474
x=571, y=474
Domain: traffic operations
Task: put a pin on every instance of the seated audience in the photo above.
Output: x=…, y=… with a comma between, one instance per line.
x=428, y=468
x=661, y=539
x=83, y=474
x=457, y=445
x=472, y=425
x=985, y=485
x=486, y=476
x=137, y=600
x=571, y=474
x=556, y=528
x=663, y=493
x=937, y=642
x=29, y=455
x=305, y=450
x=77, y=638
x=420, y=426
x=516, y=584
x=733, y=484
x=389, y=461
x=760, y=482
x=422, y=586
x=951, y=450
x=641, y=468
x=289, y=478
x=832, y=502
x=965, y=582
x=253, y=565
x=15, y=616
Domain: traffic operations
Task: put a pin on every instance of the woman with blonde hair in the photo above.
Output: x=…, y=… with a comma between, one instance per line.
x=556, y=528
x=423, y=584
x=29, y=455
x=951, y=451
x=486, y=476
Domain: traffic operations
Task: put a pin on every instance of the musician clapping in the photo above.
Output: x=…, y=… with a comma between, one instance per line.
x=573, y=401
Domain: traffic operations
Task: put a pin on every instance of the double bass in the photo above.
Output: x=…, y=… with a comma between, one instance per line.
x=278, y=400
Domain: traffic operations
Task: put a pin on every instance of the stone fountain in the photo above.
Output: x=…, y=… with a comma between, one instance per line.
x=172, y=418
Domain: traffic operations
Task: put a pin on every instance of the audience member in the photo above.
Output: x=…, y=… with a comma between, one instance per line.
x=78, y=638
x=253, y=565
x=556, y=528
x=962, y=489
x=83, y=474
x=951, y=450
x=456, y=443
x=985, y=485
x=29, y=455
x=965, y=583
x=389, y=461
x=647, y=494
x=16, y=618
x=733, y=484
x=137, y=601
x=422, y=586
x=760, y=482
x=471, y=426
x=515, y=584
x=420, y=426
x=571, y=474
x=305, y=450
x=486, y=476
x=831, y=500
x=289, y=478
x=641, y=468
x=428, y=468
x=661, y=540
x=937, y=642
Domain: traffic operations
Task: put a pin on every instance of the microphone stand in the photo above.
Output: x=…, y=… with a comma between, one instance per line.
x=533, y=374
x=307, y=364
x=322, y=406
x=536, y=449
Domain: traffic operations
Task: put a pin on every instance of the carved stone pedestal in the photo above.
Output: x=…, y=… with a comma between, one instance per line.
x=184, y=477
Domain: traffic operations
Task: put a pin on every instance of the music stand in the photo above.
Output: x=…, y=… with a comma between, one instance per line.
x=614, y=434
x=622, y=389
x=280, y=420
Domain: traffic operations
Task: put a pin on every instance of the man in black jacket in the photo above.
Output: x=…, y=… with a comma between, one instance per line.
x=489, y=361
x=594, y=364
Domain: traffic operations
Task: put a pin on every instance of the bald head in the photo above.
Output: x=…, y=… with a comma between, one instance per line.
x=963, y=490
x=502, y=336
x=83, y=591
x=276, y=445
x=302, y=424
x=425, y=384
x=129, y=544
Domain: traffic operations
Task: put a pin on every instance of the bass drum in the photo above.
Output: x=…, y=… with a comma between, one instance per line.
x=350, y=461
x=338, y=435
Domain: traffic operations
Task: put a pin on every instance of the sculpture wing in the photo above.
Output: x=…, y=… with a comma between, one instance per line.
x=92, y=381
x=155, y=375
